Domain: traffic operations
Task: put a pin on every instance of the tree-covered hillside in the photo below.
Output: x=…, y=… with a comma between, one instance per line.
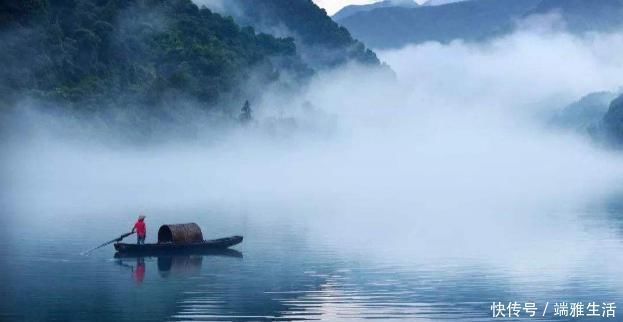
x=320, y=41
x=613, y=121
x=92, y=53
x=586, y=114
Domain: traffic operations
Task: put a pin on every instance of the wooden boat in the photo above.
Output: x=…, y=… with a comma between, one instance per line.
x=179, y=238
x=206, y=245
x=227, y=252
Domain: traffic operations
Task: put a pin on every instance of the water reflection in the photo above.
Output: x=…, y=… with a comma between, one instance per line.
x=178, y=264
x=287, y=276
x=138, y=269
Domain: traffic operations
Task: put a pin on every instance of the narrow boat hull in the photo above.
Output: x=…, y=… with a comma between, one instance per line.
x=206, y=245
x=227, y=252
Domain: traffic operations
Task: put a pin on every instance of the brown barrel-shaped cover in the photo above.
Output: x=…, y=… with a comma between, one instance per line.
x=180, y=234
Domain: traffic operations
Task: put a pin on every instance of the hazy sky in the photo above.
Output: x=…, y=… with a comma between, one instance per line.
x=332, y=6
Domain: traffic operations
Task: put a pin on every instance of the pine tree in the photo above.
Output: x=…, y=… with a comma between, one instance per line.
x=246, y=113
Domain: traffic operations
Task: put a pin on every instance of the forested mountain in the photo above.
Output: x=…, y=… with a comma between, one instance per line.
x=587, y=113
x=95, y=53
x=598, y=114
x=320, y=41
x=475, y=20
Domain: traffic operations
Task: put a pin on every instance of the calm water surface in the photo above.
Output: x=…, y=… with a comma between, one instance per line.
x=284, y=271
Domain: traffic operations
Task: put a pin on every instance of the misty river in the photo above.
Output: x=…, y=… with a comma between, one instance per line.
x=285, y=270
x=431, y=194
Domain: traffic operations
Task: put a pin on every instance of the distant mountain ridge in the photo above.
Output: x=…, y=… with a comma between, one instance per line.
x=353, y=9
x=440, y=2
x=474, y=20
x=585, y=15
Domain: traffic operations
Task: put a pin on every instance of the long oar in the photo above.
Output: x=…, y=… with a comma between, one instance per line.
x=118, y=239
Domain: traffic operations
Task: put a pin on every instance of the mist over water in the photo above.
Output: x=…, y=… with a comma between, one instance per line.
x=450, y=160
x=462, y=127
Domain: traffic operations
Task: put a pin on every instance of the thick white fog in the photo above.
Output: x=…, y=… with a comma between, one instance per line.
x=452, y=158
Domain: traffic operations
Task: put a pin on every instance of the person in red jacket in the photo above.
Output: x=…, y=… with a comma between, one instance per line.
x=140, y=229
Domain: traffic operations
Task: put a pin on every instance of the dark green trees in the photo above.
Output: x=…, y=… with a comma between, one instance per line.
x=321, y=42
x=93, y=53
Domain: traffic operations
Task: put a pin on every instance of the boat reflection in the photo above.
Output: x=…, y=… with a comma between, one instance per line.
x=171, y=264
x=179, y=265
